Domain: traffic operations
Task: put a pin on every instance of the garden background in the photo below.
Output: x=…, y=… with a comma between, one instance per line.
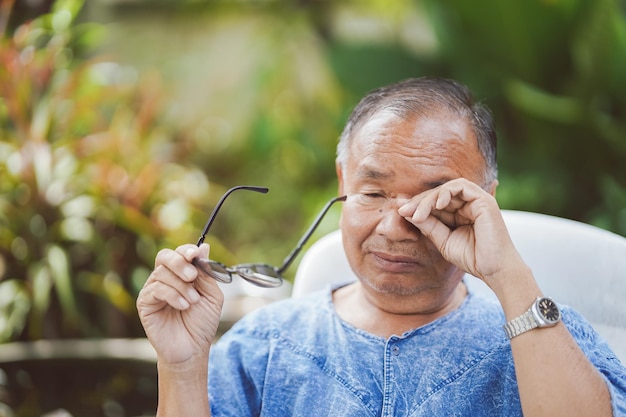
x=122, y=122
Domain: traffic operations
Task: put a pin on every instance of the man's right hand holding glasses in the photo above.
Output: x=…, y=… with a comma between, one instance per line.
x=180, y=309
x=179, y=304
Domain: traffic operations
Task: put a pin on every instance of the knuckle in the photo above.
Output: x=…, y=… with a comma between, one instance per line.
x=162, y=256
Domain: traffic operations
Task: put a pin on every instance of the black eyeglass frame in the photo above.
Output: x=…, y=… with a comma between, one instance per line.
x=262, y=275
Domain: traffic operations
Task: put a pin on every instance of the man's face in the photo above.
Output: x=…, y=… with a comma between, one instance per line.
x=390, y=161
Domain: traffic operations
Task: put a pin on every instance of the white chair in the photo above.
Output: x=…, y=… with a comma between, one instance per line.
x=577, y=264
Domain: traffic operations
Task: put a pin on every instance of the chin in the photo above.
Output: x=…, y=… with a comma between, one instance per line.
x=397, y=286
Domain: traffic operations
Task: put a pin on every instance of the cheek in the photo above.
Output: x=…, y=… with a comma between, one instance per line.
x=356, y=227
x=356, y=222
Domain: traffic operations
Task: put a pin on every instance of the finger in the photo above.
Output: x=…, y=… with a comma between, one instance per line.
x=434, y=203
x=407, y=210
x=419, y=207
x=176, y=262
x=208, y=289
x=190, y=252
x=204, y=284
x=449, y=200
x=157, y=295
x=450, y=219
x=199, y=258
x=164, y=285
x=435, y=230
x=450, y=197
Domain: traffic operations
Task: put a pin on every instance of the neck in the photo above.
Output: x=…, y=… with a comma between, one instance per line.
x=388, y=315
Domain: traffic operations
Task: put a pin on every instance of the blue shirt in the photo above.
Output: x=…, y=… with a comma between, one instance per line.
x=298, y=358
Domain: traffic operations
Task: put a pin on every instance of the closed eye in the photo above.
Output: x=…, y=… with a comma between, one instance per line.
x=369, y=200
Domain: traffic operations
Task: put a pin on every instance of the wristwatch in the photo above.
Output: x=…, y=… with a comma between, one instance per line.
x=542, y=313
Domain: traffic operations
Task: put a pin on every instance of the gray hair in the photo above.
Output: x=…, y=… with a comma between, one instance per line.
x=422, y=96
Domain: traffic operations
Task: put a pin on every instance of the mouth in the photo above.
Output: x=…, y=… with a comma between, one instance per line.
x=395, y=262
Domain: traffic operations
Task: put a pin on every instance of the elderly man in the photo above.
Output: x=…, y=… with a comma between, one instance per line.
x=417, y=164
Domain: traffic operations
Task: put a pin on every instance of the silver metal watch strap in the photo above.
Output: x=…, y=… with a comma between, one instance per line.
x=521, y=324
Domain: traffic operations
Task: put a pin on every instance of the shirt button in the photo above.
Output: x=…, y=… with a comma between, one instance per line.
x=395, y=350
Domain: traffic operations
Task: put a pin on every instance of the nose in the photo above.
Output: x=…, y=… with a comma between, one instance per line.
x=393, y=226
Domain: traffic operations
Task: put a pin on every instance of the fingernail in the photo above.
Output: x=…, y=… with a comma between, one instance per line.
x=189, y=272
x=193, y=295
x=184, y=305
x=403, y=210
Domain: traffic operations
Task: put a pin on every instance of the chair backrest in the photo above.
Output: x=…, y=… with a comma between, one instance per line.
x=575, y=263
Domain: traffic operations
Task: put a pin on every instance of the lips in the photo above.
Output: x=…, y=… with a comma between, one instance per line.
x=394, y=262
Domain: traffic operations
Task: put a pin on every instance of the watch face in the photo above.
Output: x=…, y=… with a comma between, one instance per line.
x=549, y=310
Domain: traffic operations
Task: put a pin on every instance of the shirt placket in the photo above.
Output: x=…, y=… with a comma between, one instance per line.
x=392, y=350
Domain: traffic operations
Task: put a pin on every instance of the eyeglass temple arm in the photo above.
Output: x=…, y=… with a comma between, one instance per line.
x=289, y=259
x=209, y=222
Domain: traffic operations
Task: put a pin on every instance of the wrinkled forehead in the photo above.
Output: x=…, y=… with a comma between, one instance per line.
x=434, y=143
x=433, y=129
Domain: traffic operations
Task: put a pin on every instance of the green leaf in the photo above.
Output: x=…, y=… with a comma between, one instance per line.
x=14, y=308
x=543, y=104
x=66, y=11
x=59, y=268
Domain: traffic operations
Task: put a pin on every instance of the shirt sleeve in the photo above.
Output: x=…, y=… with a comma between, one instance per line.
x=237, y=366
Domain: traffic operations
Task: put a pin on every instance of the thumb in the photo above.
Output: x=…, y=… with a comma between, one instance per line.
x=434, y=229
x=203, y=250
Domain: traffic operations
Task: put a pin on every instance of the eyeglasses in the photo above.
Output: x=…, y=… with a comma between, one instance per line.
x=262, y=275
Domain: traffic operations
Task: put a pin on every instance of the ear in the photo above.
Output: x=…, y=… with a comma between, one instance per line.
x=339, y=170
x=492, y=187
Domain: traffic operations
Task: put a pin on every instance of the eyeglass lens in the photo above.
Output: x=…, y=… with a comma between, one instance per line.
x=215, y=270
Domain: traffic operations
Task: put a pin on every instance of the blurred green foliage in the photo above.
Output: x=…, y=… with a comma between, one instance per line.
x=553, y=72
x=90, y=183
x=117, y=137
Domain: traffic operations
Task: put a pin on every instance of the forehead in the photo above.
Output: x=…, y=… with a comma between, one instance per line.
x=429, y=148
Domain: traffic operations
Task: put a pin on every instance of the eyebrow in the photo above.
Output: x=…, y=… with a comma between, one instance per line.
x=434, y=184
x=372, y=173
